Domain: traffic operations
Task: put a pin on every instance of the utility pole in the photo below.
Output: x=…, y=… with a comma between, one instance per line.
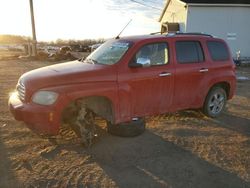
x=34, y=50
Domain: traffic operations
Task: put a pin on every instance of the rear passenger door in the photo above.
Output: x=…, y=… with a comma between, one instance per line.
x=191, y=74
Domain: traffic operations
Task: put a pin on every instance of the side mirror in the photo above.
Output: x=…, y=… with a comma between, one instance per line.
x=145, y=62
x=140, y=62
x=134, y=65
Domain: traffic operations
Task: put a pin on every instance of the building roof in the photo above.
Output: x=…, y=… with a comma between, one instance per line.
x=217, y=1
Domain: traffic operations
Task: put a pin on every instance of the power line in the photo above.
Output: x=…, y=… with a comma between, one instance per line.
x=146, y=5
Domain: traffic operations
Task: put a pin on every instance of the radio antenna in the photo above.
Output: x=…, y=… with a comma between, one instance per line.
x=118, y=36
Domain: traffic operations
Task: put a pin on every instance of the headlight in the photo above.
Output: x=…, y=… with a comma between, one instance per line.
x=44, y=97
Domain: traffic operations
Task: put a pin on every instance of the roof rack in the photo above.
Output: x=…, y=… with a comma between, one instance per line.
x=192, y=33
x=156, y=33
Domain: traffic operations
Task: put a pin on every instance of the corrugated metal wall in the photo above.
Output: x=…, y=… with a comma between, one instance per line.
x=230, y=23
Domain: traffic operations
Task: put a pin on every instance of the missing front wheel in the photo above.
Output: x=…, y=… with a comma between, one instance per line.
x=84, y=125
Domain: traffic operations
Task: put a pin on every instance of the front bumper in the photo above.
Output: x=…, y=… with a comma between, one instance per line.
x=41, y=119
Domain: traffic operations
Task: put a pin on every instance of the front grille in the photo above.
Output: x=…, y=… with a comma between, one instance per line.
x=21, y=91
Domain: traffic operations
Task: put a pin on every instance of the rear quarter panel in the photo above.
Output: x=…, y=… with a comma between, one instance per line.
x=221, y=71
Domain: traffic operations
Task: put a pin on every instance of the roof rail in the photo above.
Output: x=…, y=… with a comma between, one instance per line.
x=191, y=33
x=156, y=33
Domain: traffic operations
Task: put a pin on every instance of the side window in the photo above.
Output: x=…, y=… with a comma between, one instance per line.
x=189, y=52
x=218, y=50
x=154, y=54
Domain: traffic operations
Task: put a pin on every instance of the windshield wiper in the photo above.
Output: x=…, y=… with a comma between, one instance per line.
x=81, y=59
x=92, y=61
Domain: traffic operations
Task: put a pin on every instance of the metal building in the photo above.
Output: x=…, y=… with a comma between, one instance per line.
x=227, y=19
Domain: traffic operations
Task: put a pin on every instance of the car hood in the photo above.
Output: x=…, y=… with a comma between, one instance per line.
x=67, y=73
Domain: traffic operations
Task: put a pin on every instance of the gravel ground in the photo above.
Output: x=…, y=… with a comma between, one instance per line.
x=184, y=149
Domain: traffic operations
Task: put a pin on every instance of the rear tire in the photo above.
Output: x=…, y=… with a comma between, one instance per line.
x=128, y=129
x=215, y=102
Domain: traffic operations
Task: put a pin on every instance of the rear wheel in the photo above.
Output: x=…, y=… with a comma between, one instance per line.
x=128, y=129
x=215, y=102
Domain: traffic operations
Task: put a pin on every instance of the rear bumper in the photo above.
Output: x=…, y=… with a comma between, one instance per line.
x=41, y=119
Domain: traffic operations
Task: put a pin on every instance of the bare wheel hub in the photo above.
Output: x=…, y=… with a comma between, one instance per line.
x=86, y=125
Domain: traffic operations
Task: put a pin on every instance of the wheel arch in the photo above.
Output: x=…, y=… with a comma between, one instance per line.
x=100, y=105
x=224, y=85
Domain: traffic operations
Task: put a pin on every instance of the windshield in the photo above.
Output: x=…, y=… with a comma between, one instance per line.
x=110, y=52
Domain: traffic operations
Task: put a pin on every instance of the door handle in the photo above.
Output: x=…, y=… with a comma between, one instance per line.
x=203, y=70
x=165, y=74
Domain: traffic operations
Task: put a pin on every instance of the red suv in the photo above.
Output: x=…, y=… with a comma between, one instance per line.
x=125, y=80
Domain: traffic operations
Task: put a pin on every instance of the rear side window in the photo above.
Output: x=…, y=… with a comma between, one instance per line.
x=189, y=52
x=218, y=50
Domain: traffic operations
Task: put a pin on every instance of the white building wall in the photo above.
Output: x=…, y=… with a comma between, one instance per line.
x=176, y=13
x=230, y=23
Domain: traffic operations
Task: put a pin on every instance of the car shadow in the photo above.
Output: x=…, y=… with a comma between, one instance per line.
x=242, y=90
x=7, y=177
x=234, y=123
x=150, y=161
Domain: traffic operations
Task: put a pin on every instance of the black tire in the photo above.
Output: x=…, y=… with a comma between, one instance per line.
x=128, y=129
x=215, y=102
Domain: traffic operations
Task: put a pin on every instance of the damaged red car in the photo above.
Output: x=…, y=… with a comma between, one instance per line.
x=123, y=81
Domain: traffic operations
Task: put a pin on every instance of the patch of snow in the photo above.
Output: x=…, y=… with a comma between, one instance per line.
x=242, y=78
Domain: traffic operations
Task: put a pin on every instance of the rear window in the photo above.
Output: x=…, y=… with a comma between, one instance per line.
x=218, y=50
x=189, y=52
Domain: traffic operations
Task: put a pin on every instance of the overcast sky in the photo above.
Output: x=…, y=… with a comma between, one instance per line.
x=80, y=19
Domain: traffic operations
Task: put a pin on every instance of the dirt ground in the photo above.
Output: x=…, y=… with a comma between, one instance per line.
x=185, y=149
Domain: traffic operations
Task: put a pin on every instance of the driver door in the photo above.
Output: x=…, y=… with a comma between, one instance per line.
x=150, y=85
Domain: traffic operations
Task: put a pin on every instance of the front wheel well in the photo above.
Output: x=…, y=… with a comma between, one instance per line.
x=101, y=106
